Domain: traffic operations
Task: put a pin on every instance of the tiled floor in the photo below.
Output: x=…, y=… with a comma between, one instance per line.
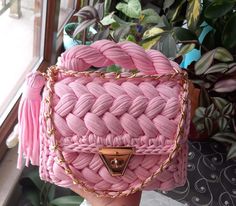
x=151, y=198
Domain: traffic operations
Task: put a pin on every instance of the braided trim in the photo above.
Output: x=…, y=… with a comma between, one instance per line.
x=128, y=55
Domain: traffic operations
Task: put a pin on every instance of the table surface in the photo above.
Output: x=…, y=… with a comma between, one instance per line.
x=211, y=177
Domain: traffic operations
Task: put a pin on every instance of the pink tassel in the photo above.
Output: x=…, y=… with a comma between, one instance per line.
x=28, y=117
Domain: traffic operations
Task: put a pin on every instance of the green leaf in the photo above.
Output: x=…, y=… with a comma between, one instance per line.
x=221, y=67
x=131, y=38
x=107, y=5
x=167, y=45
x=183, y=34
x=148, y=44
x=232, y=151
x=167, y=4
x=218, y=9
x=200, y=127
x=67, y=201
x=131, y=9
x=225, y=137
x=153, y=32
x=204, y=62
x=222, y=123
x=165, y=23
x=200, y=111
x=34, y=177
x=101, y=35
x=107, y=20
x=208, y=125
x=193, y=13
x=51, y=192
x=219, y=102
x=175, y=10
x=114, y=68
x=150, y=16
x=184, y=49
x=228, y=109
x=210, y=110
x=33, y=196
x=229, y=32
x=151, y=37
x=121, y=32
x=122, y=22
x=223, y=55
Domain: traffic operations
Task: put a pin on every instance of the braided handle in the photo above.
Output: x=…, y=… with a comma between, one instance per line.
x=128, y=55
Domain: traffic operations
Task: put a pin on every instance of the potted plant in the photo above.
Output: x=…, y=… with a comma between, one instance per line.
x=84, y=31
x=127, y=22
x=213, y=70
x=176, y=28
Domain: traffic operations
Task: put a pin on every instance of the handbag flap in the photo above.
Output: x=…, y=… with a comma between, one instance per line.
x=95, y=110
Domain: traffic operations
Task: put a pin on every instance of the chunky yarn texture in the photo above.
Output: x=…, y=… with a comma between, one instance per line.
x=90, y=111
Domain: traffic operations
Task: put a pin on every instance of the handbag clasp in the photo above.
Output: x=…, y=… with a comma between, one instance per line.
x=116, y=159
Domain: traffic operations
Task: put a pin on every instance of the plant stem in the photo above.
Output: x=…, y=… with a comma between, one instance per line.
x=195, y=42
x=109, y=33
x=84, y=36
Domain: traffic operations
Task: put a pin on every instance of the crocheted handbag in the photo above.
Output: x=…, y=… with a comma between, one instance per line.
x=108, y=133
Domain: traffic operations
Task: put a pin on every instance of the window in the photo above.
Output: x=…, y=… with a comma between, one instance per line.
x=66, y=10
x=27, y=43
x=20, y=49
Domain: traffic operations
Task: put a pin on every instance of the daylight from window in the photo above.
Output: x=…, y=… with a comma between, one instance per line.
x=19, y=23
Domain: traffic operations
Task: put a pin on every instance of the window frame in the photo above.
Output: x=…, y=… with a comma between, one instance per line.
x=52, y=48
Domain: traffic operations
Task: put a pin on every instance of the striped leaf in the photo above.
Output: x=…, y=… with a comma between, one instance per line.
x=193, y=13
x=151, y=37
x=225, y=137
x=131, y=9
x=227, y=85
x=232, y=151
x=223, y=55
x=204, y=63
x=185, y=49
x=221, y=67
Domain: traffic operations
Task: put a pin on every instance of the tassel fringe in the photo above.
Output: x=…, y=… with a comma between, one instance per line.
x=28, y=117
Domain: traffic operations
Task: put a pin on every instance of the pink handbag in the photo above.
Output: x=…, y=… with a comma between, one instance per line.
x=108, y=133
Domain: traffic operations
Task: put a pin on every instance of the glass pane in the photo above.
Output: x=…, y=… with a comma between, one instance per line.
x=20, y=40
x=66, y=10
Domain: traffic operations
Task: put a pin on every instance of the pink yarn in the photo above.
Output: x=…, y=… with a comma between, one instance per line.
x=29, y=109
x=104, y=53
x=90, y=112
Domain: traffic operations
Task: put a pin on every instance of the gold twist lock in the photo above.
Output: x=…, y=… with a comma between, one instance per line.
x=116, y=159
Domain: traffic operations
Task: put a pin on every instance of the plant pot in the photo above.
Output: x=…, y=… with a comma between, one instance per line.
x=194, y=98
x=68, y=40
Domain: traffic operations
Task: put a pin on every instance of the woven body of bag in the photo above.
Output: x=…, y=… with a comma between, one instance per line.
x=107, y=133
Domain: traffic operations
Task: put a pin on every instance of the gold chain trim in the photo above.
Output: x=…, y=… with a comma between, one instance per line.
x=48, y=117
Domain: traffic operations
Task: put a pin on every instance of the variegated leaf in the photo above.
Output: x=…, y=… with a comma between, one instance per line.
x=193, y=13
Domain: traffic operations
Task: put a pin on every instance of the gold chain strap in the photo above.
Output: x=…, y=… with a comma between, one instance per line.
x=48, y=117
